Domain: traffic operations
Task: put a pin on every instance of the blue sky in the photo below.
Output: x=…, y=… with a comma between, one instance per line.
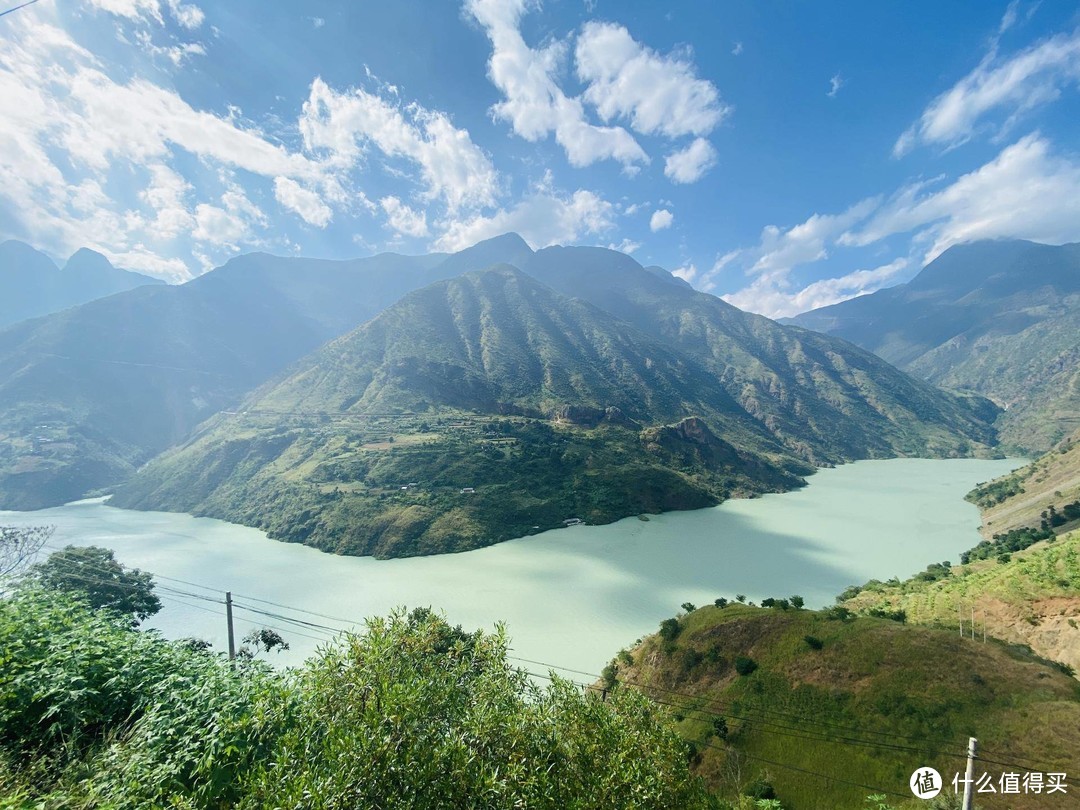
x=782, y=155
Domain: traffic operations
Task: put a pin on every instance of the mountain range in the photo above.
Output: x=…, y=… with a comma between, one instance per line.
x=492, y=404
x=997, y=318
x=31, y=284
x=89, y=394
x=351, y=404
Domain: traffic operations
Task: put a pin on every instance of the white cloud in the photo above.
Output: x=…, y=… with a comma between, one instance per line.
x=660, y=219
x=534, y=104
x=166, y=194
x=187, y=15
x=737, y=50
x=543, y=217
x=403, y=219
x=656, y=94
x=318, y=22
x=782, y=250
x=1008, y=19
x=835, y=83
x=177, y=54
x=687, y=272
x=231, y=225
x=1028, y=79
x=345, y=124
x=131, y=9
x=626, y=246
x=302, y=201
x=771, y=296
x=72, y=126
x=1026, y=192
x=1006, y=198
x=690, y=164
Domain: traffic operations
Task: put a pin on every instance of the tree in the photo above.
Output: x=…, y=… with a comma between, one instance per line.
x=720, y=602
x=669, y=629
x=93, y=574
x=740, y=597
x=19, y=545
x=263, y=640
x=797, y=602
x=689, y=607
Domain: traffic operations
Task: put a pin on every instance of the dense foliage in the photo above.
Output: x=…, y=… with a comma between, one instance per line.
x=95, y=575
x=413, y=713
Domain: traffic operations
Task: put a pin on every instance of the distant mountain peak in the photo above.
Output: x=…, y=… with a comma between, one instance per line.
x=85, y=259
x=508, y=240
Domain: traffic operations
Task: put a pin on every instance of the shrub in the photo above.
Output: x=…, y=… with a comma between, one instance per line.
x=721, y=602
x=670, y=629
x=745, y=666
x=813, y=642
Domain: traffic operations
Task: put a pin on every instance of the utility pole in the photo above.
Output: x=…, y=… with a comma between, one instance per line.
x=228, y=619
x=972, y=621
x=969, y=775
x=960, y=613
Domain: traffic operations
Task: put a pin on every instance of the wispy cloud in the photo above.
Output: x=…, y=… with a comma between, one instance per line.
x=545, y=216
x=835, y=83
x=1005, y=198
x=1011, y=86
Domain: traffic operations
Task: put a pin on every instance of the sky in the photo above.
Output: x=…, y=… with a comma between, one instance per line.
x=783, y=156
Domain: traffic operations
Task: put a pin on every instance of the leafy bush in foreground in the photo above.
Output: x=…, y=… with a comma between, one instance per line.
x=413, y=713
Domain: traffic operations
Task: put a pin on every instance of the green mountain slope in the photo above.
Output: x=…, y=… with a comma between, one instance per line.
x=88, y=394
x=32, y=285
x=826, y=400
x=441, y=373
x=996, y=318
x=545, y=406
x=865, y=701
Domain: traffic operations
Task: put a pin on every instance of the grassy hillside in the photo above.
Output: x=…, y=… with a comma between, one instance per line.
x=996, y=318
x=826, y=400
x=863, y=700
x=547, y=408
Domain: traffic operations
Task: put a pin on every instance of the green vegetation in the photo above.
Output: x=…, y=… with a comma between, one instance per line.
x=858, y=699
x=412, y=713
x=1028, y=594
x=94, y=574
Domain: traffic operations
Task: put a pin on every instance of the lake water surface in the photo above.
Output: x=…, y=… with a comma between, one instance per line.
x=571, y=597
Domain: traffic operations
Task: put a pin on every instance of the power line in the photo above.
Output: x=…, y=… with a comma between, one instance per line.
x=24, y=5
